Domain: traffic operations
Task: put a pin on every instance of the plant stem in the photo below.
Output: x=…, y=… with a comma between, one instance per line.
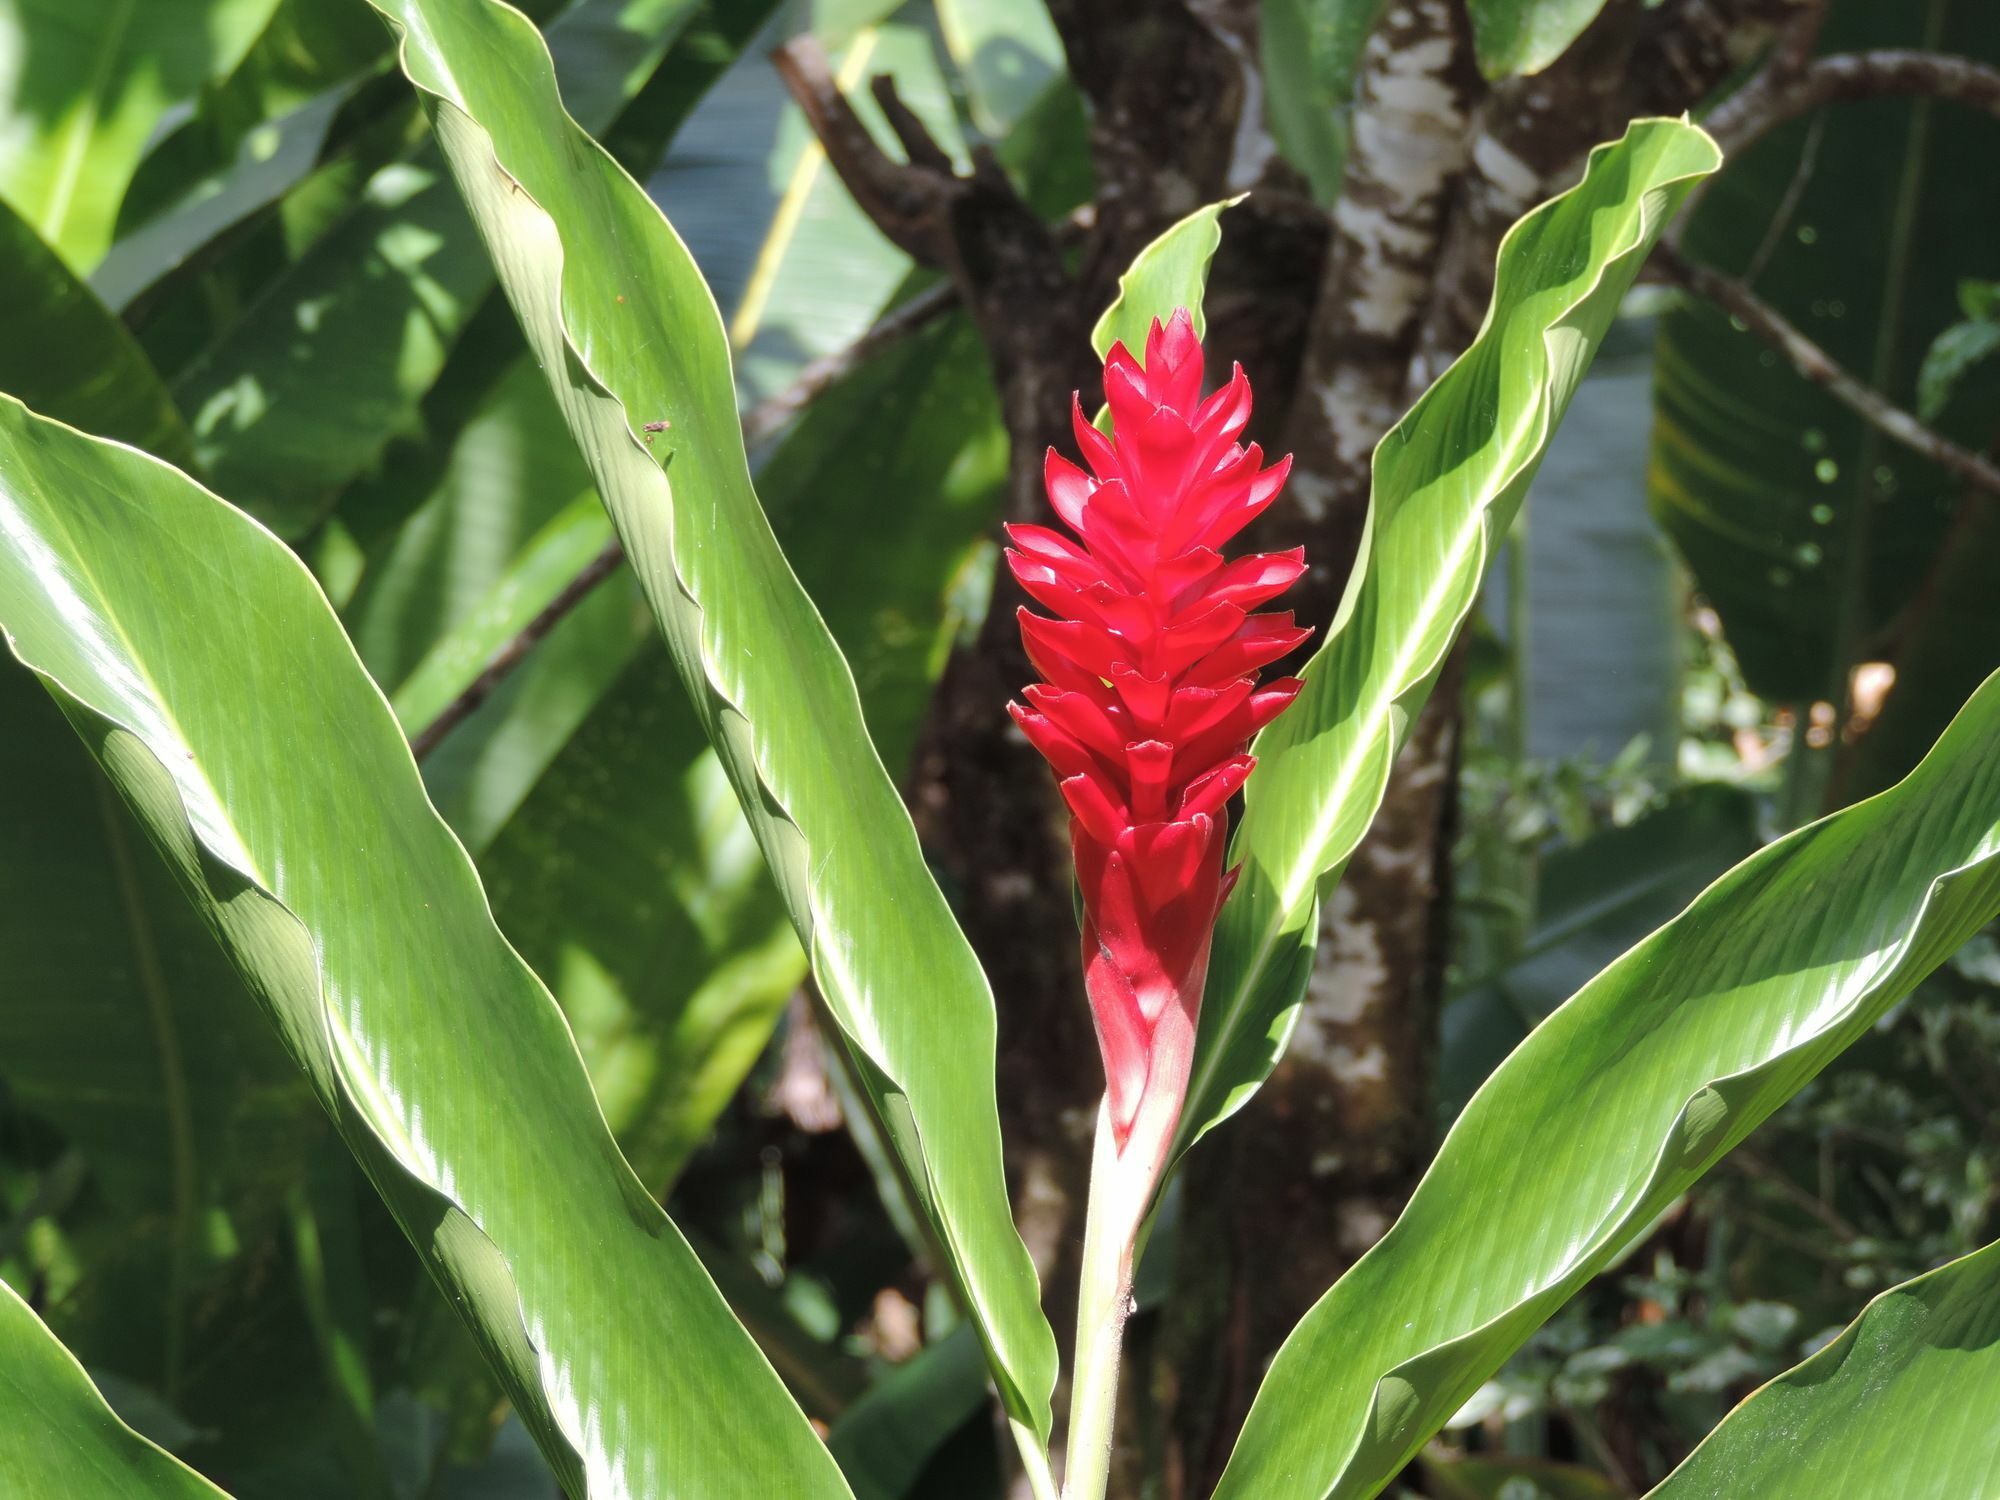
x=1034, y=1461
x=1104, y=1297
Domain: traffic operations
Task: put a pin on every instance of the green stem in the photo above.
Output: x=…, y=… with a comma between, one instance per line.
x=1034, y=1461
x=1104, y=1297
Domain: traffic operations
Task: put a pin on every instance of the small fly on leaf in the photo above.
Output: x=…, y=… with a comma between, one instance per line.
x=655, y=427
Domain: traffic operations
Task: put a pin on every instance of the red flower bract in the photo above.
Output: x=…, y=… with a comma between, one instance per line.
x=1149, y=697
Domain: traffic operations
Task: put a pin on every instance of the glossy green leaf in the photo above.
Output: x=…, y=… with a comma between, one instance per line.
x=202, y=666
x=619, y=316
x=1900, y=1404
x=57, y=1437
x=1448, y=480
x=1620, y=1100
x=1311, y=52
x=83, y=83
x=1512, y=37
x=66, y=354
x=1170, y=272
x=302, y=395
x=629, y=876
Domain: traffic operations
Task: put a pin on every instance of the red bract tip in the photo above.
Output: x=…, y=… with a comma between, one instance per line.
x=1150, y=696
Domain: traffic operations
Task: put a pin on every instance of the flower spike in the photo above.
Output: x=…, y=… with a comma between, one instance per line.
x=1150, y=697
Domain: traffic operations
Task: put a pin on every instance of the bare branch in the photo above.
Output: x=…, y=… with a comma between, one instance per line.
x=1773, y=99
x=908, y=202
x=502, y=663
x=775, y=410
x=922, y=148
x=1816, y=365
x=759, y=423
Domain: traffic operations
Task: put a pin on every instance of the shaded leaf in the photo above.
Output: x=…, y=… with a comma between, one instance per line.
x=66, y=354
x=57, y=1437
x=1806, y=529
x=87, y=82
x=1311, y=54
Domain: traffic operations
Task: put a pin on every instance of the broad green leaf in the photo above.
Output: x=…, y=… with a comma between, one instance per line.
x=249, y=140
x=1593, y=900
x=1448, y=481
x=301, y=396
x=83, y=83
x=629, y=876
x=67, y=354
x=1007, y=52
x=202, y=666
x=125, y=1030
x=1512, y=37
x=618, y=314
x=1900, y=1404
x=1170, y=272
x=887, y=1437
x=1311, y=54
x=1808, y=531
x=1619, y=1101
x=57, y=1437
x=311, y=55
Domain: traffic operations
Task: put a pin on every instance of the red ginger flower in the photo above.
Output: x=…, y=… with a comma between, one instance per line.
x=1150, y=694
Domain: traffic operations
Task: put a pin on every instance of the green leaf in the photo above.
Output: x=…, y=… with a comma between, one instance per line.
x=1448, y=481
x=87, y=83
x=126, y=1030
x=1952, y=356
x=301, y=396
x=1007, y=52
x=66, y=354
x=1169, y=273
x=628, y=875
x=623, y=324
x=887, y=1437
x=204, y=669
x=1311, y=53
x=57, y=1437
x=1512, y=37
x=1806, y=529
x=1900, y=1404
x=1619, y=1101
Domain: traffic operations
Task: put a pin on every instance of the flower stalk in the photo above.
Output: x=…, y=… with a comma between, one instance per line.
x=1147, y=704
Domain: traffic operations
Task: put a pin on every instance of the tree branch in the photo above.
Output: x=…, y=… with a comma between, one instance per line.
x=502, y=662
x=760, y=422
x=1816, y=365
x=1764, y=105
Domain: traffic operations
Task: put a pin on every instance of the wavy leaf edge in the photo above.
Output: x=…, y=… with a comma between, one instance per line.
x=1025, y=1409
x=1710, y=1146
x=357, y=1090
x=1306, y=888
